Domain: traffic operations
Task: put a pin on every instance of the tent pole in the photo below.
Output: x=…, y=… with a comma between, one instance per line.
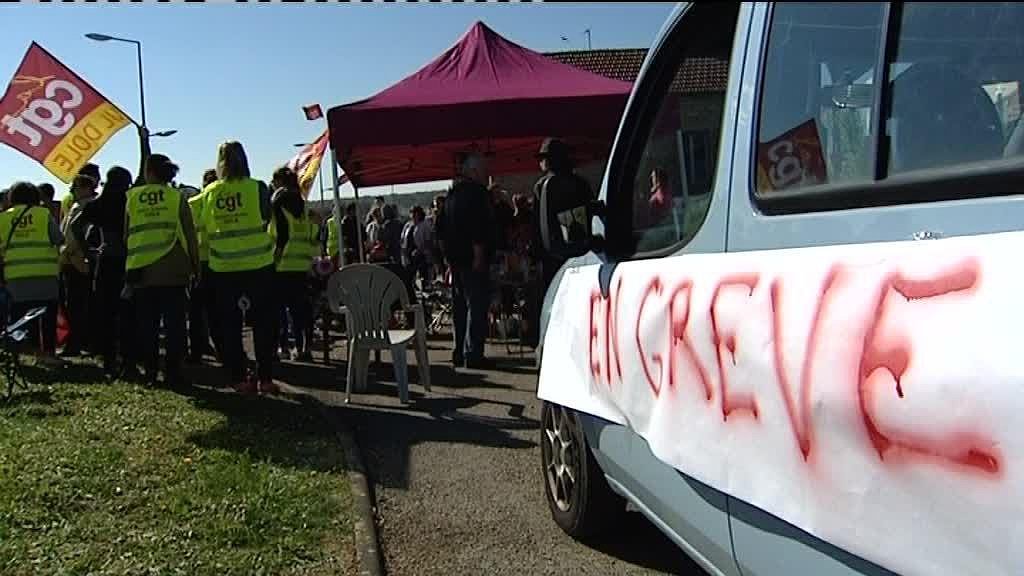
x=337, y=206
x=359, y=227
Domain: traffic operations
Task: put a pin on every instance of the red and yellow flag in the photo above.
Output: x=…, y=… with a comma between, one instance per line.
x=306, y=163
x=54, y=116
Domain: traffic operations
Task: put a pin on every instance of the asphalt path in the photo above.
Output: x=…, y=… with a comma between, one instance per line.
x=457, y=477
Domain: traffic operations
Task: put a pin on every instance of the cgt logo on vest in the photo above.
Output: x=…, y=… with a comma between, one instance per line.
x=25, y=222
x=229, y=203
x=152, y=197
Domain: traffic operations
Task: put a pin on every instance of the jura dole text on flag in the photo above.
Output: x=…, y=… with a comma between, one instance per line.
x=54, y=116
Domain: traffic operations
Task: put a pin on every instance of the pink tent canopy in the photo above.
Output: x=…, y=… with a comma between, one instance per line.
x=483, y=92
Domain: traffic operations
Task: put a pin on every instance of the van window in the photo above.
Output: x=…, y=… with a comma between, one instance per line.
x=951, y=91
x=672, y=173
x=817, y=100
x=955, y=84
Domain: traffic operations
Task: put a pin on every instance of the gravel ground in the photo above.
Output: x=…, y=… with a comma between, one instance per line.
x=457, y=480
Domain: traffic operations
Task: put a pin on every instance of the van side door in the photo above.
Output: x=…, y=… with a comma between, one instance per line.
x=865, y=123
x=666, y=191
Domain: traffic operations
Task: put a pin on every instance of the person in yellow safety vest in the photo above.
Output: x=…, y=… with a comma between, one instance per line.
x=31, y=237
x=235, y=216
x=162, y=259
x=295, y=238
x=202, y=325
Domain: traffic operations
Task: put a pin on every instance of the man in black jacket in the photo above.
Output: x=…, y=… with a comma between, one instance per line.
x=467, y=236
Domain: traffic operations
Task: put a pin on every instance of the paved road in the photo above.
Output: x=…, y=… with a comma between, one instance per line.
x=457, y=482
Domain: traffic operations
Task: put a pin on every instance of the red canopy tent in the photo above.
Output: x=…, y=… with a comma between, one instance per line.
x=483, y=92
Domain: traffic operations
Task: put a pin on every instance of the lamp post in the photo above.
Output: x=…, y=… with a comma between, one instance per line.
x=143, y=130
x=138, y=53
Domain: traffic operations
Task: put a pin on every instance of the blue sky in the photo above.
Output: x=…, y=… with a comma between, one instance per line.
x=220, y=71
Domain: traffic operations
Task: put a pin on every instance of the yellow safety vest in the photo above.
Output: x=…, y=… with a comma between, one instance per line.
x=234, y=227
x=332, y=238
x=195, y=204
x=30, y=254
x=298, y=253
x=65, y=204
x=154, y=226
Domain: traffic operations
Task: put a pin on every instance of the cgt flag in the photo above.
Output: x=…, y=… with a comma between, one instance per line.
x=54, y=116
x=306, y=163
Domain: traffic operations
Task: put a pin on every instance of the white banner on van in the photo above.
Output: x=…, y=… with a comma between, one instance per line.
x=872, y=395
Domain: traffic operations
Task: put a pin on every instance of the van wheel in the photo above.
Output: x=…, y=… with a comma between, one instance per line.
x=581, y=502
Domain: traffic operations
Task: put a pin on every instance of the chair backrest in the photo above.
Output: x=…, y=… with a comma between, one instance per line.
x=370, y=293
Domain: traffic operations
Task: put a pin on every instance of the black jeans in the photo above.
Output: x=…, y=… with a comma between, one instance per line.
x=293, y=294
x=153, y=305
x=471, y=299
x=108, y=313
x=43, y=328
x=78, y=291
x=258, y=287
x=202, y=326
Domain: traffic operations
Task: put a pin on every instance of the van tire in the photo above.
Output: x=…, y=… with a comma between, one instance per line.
x=578, y=495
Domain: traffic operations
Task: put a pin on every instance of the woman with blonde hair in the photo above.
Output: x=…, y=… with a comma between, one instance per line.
x=234, y=218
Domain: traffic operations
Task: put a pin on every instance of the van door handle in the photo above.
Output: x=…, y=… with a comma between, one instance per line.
x=927, y=235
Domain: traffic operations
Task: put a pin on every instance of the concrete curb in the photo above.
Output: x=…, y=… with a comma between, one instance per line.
x=368, y=554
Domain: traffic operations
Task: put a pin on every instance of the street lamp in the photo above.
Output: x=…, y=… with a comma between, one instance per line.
x=138, y=53
x=143, y=130
x=164, y=134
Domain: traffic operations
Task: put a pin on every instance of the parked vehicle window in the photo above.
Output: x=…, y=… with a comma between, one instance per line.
x=675, y=173
x=955, y=84
x=952, y=91
x=818, y=97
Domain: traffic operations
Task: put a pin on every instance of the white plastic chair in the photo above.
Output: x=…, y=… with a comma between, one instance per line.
x=368, y=294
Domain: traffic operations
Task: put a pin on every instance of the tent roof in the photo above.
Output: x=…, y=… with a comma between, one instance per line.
x=484, y=91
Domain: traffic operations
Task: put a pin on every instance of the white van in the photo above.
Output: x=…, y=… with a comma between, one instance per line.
x=797, y=349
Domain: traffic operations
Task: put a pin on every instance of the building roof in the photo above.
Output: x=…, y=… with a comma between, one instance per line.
x=697, y=75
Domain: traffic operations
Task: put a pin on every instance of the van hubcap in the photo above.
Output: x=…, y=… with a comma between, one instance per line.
x=561, y=457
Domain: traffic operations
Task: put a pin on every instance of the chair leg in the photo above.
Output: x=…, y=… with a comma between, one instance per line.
x=353, y=371
x=363, y=368
x=423, y=361
x=401, y=364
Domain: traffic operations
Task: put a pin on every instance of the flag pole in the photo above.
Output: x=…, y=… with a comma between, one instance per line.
x=337, y=207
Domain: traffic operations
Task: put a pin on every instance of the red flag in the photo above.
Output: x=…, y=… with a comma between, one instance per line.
x=52, y=115
x=306, y=163
x=313, y=112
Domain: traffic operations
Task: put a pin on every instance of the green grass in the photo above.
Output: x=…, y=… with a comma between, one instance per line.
x=122, y=479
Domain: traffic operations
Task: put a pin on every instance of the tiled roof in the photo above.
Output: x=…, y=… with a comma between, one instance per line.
x=697, y=75
x=623, y=64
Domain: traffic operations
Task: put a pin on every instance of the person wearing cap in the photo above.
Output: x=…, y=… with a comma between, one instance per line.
x=90, y=170
x=560, y=193
x=163, y=257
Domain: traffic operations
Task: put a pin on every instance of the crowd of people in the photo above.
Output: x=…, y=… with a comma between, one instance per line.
x=127, y=262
